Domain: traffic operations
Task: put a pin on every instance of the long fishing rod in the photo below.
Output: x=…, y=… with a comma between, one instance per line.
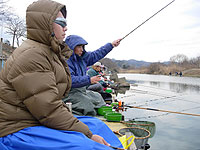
x=175, y=112
x=146, y=20
x=116, y=148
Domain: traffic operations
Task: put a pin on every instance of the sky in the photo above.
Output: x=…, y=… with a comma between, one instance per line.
x=175, y=30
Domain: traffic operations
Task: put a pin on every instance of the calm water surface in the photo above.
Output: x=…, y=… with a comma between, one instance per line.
x=173, y=93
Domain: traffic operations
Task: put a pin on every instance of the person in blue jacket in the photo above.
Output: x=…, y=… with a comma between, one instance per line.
x=84, y=101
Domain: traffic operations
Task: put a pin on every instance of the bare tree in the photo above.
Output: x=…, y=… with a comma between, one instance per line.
x=195, y=62
x=21, y=32
x=179, y=59
x=154, y=68
x=16, y=28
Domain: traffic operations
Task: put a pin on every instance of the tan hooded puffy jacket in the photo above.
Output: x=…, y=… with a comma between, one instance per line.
x=35, y=78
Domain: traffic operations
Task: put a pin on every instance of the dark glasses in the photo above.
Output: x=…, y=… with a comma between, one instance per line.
x=61, y=21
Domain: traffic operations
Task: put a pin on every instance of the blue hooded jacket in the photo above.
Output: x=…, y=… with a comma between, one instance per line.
x=78, y=64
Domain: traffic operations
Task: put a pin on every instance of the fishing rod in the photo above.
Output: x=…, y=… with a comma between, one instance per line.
x=175, y=112
x=146, y=20
x=117, y=148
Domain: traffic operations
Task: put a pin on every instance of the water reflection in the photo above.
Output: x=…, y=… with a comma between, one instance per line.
x=121, y=90
x=153, y=83
x=178, y=94
x=181, y=88
x=175, y=87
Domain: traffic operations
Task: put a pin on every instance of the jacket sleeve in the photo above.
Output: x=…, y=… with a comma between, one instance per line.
x=35, y=83
x=92, y=57
x=77, y=80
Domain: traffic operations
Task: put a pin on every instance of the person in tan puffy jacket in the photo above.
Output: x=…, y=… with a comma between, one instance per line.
x=32, y=83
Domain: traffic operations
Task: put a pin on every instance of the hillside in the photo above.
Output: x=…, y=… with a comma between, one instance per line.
x=142, y=67
x=194, y=72
x=131, y=63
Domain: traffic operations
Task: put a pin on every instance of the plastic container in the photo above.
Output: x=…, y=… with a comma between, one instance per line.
x=108, y=90
x=107, y=111
x=102, y=110
x=113, y=116
x=114, y=104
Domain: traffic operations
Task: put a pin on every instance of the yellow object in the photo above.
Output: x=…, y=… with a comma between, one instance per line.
x=124, y=141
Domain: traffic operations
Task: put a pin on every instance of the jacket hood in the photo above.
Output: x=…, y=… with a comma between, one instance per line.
x=39, y=20
x=73, y=40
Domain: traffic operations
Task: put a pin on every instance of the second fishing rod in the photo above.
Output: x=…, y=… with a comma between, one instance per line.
x=146, y=20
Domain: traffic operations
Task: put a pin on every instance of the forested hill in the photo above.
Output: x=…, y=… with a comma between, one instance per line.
x=131, y=63
x=124, y=64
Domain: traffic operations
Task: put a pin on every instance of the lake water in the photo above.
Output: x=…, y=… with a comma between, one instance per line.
x=172, y=93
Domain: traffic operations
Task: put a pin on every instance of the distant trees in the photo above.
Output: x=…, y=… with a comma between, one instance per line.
x=178, y=63
x=185, y=62
x=15, y=26
x=153, y=68
x=179, y=58
x=195, y=62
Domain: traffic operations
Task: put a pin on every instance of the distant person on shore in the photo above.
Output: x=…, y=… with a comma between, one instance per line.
x=180, y=74
x=84, y=102
x=33, y=82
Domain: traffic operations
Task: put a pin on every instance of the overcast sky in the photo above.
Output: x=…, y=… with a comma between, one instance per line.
x=175, y=30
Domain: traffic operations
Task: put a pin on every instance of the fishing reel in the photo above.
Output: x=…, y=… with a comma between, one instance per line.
x=120, y=107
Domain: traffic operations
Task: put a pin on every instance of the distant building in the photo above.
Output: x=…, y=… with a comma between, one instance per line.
x=5, y=51
x=7, y=42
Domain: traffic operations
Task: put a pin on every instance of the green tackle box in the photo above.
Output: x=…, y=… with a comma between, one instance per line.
x=108, y=90
x=102, y=110
x=113, y=116
x=114, y=104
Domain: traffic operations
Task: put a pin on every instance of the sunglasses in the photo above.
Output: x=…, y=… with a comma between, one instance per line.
x=61, y=21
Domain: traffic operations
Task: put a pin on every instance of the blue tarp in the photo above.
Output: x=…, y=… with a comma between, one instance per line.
x=43, y=138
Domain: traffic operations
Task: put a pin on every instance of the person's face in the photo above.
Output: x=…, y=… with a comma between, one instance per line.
x=78, y=50
x=98, y=68
x=59, y=30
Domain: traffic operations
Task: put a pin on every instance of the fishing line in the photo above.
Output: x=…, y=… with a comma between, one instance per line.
x=145, y=103
x=152, y=100
x=158, y=88
x=175, y=91
x=157, y=94
x=147, y=20
x=161, y=110
x=161, y=95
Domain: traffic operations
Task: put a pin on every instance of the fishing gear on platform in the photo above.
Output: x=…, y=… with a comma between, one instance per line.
x=146, y=20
